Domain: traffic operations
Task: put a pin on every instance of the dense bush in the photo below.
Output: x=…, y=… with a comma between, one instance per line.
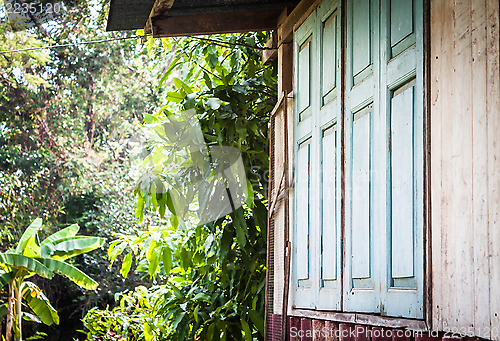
x=208, y=281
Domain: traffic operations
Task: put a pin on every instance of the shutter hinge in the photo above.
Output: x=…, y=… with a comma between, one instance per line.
x=321, y=244
x=307, y=242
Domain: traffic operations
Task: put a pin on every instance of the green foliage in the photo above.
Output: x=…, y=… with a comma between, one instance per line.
x=29, y=259
x=128, y=319
x=208, y=279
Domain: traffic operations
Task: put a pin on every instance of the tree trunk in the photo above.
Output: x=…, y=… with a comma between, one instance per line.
x=90, y=124
x=19, y=314
x=8, y=327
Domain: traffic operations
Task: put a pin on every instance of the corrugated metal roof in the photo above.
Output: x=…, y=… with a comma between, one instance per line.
x=133, y=14
x=128, y=14
x=190, y=7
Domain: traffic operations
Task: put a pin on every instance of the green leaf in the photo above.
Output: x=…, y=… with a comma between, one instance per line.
x=29, y=235
x=257, y=320
x=246, y=330
x=169, y=70
x=177, y=320
x=31, y=317
x=202, y=297
x=3, y=311
x=26, y=263
x=175, y=97
x=177, y=292
x=148, y=332
x=240, y=226
x=208, y=81
x=67, y=232
x=167, y=259
x=116, y=248
x=72, y=273
x=127, y=263
x=225, y=242
x=69, y=247
x=196, y=313
x=6, y=278
x=139, y=211
x=153, y=259
x=40, y=304
x=182, y=86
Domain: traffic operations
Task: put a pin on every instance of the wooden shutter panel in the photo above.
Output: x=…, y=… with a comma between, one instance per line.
x=384, y=152
x=362, y=152
x=329, y=167
x=329, y=203
x=303, y=212
x=402, y=98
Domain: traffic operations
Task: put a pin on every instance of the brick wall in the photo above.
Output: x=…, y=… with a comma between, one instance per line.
x=305, y=329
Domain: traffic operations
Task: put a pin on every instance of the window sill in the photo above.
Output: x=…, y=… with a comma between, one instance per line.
x=360, y=318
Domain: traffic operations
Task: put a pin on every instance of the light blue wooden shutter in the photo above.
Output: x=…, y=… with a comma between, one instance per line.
x=402, y=98
x=384, y=153
x=317, y=45
x=328, y=132
x=362, y=116
x=303, y=242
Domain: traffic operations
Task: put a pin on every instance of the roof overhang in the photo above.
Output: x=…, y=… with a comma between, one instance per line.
x=195, y=17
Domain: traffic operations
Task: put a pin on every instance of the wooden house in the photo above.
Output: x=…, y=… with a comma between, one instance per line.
x=384, y=210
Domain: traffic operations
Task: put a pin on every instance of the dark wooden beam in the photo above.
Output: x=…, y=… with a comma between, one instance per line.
x=214, y=23
x=160, y=8
x=272, y=53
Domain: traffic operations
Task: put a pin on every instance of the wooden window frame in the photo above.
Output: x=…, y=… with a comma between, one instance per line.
x=287, y=23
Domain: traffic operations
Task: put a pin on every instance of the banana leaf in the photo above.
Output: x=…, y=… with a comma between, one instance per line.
x=67, y=232
x=72, y=273
x=18, y=261
x=40, y=304
x=29, y=235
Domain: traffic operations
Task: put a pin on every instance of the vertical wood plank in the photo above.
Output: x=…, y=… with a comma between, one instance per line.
x=480, y=170
x=493, y=109
x=446, y=298
x=361, y=197
x=402, y=179
x=438, y=20
x=465, y=177
x=461, y=170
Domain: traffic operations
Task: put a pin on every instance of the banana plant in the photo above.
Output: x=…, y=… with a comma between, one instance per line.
x=46, y=258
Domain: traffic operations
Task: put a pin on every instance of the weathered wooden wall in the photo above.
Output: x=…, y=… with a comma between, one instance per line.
x=465, y=166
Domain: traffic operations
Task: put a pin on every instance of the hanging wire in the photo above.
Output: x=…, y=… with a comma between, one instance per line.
x=48, y=47
x=213, y=41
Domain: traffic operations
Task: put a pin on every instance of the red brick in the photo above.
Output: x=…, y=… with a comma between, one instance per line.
x=426, y=337
x=345, y=332
x=362, y=333
x=318, y=326
x=332, y=328
x=293, y=328
x=381, y=334
x=306, y=328
x=402, y=335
